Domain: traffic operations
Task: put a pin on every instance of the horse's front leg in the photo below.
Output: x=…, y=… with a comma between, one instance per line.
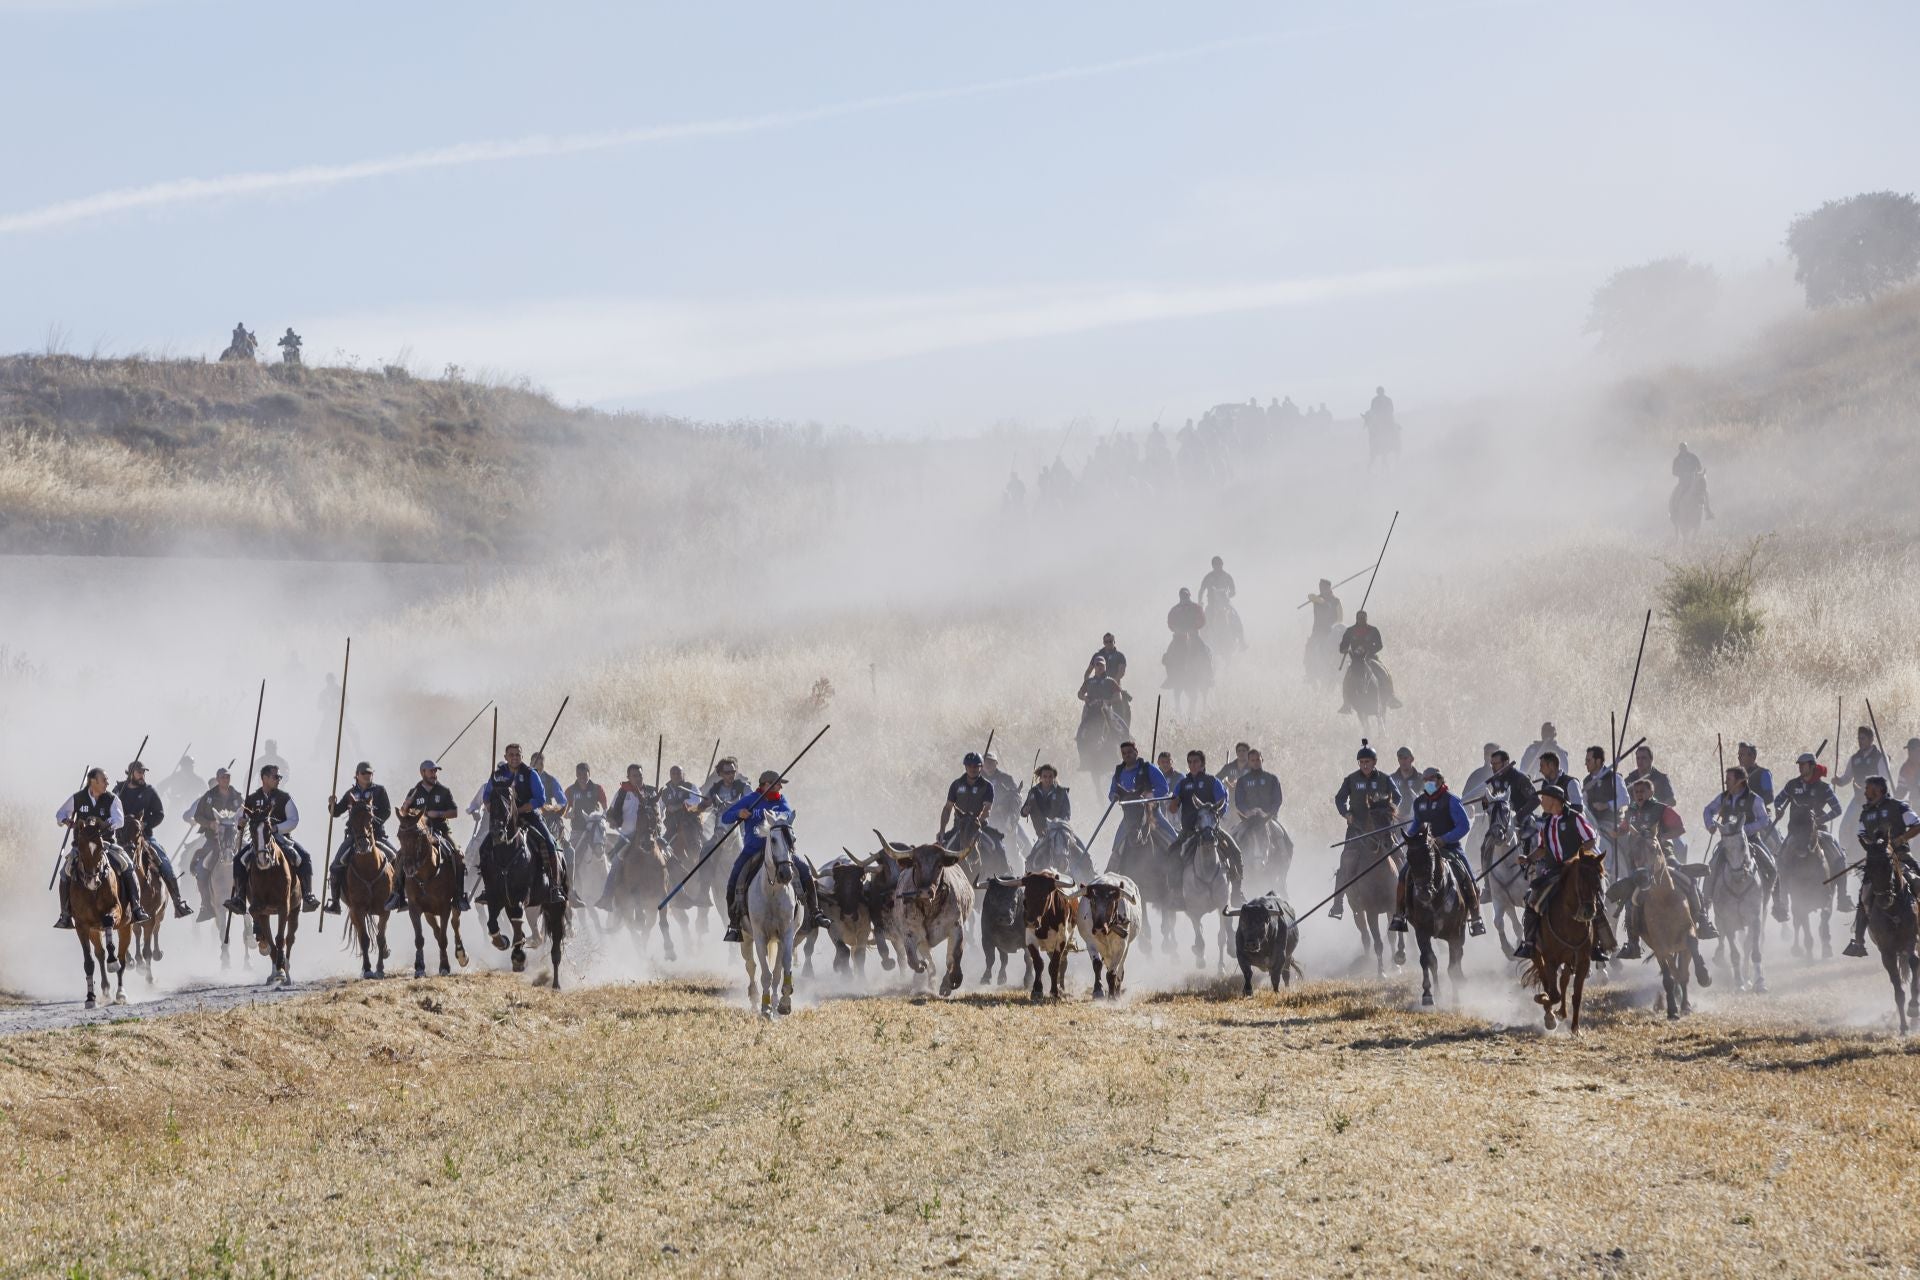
x=362, y=935
x=87, y=945
x=786, y=965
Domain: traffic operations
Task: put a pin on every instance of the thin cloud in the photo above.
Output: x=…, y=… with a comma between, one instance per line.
x=185, y=191
x=604, y=349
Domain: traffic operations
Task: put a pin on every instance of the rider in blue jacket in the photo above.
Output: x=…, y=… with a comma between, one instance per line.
x=1438, y=815
x=751, y=812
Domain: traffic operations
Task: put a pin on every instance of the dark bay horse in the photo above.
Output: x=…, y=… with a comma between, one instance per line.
x=102, y=922
x=1894, y=926
x=515, y=879
x=1436, y=908
x=371, y=879
x=273, y=894
x=1564, y=952
x=433, y=890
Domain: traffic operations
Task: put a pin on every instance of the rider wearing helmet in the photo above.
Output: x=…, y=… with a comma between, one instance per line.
x=751, y=811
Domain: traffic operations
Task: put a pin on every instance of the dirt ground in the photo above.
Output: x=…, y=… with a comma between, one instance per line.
x=482, y=1127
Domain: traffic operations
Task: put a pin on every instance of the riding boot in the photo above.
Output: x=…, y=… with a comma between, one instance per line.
x=1530, y=930
x=1698, y=902
x=66, y=905
x=397, y=900
x=307, y=901
x=130, y=890
x=816, y=918
x=1398, y=924
x=1470, y=891
x=460, y=867
x=180, y=908
x=733, y=919
x=336, y=887
x=237, y=900
x=1858, y=947
x=1632, y=917
x=1779, y=896
x=605, y=901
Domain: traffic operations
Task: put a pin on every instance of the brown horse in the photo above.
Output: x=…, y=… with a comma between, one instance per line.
x=433, y=891
x=1892, y=922
x=638, y=882
x=153, y=896
x=98, y=913
x=273, y=892
x=1666, y=923
x=1564, y=952
x=371, y=879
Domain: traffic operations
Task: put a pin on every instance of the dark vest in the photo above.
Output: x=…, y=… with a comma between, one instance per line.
x=1804, y=800
x=88, y=808
x=1599, y=793
x=1433, y=811
x=274, y=805
x=1884, y=819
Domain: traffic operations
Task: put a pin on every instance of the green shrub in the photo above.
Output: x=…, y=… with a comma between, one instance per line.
x=1708, y=606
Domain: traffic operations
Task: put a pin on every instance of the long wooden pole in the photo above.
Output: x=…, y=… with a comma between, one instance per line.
x=1626, y=717
x=1377, y=559
x=493, y=749
x=542, y=750
x=1332, y=587
x=711, y=761
x=463, y=733
x=339, y=729
x=226, y=928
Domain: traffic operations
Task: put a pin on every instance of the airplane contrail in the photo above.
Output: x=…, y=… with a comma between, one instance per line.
x=181, y=191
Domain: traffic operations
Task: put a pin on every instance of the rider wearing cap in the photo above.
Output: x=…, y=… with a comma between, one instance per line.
x=219, y=803
x=1883, y=820
x=969, y=801
x=751, y=811
x=1810, y=803
x=1367, y=799
x=1660, y=828
x=370, y=793
x=269, y=804
x=1196, y=789
x=94, y=803
x=431, y=797
x=1438, y=813
x=144, y=814
x=1563, y=833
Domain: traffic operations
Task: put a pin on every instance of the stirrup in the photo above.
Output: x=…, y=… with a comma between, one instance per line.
x=1476, y=928
x=1335, y=912
x=466, y=903
x=1855, y=948
x=732, y=934
x=1631, y=951
x=64, y=922
x=1705, y=931
x=396, y=901
x=333, y=906
x=1525, y=951
x=1397, y=925
x=309, y=903
x=181, y=910
x=138, y=913
x=1845, y=902
x=236, y=904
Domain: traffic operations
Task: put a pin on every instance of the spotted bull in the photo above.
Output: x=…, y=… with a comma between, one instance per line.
x=856, y=900
x=1264, y=938
x=932, y=900
x=1049, y=919
x=1003, y=928
x=1109, y=919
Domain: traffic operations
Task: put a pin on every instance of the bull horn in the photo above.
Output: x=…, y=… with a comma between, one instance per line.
x=1006, y=879
x=862, y=863
x=1231, y=911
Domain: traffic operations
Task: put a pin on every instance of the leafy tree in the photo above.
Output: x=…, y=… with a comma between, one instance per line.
x=1659, y=306
x=1851, y=250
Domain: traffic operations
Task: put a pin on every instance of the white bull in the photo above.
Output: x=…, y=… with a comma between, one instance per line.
x=933, y=900
x=1109, y=920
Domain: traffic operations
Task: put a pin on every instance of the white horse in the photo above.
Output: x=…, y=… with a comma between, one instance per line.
x=1738, y=896
x=773, y=917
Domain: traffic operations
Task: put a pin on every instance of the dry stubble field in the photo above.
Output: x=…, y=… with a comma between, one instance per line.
x=479, y=1127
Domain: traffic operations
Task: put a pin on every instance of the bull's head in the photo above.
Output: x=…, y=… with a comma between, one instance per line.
x=1108, y=903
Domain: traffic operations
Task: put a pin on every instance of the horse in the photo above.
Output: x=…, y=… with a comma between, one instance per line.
x=684, y=843
x=1563, y=953
x=515, y=880
x=1371, y=894
x=1687, y=506
x=1365, y=690
x=1506, y=876
x=212, y=865
x=1268, y=849
x=1436, y=908
x=370, y=880
x=153, y=896
x=102, y=922
x=1888, y=894
x=1189, y=665
x=1224, y=620
x=273, y=892
x=1201, y=886
x=1140, y=854
x=1059, y=849
x=772, y=918
x=1738, y=899
x=432, y=878
x=1666, y=924
x=589, y=865
x=1803, y=879
x=1383, y=443
x=983, y=855
x=638, y=881
x=1103, y=727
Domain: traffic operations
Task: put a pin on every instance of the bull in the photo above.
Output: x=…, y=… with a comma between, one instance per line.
x=1003, y=931
x=1109, y=917
x=931, y=903
x=1265, y=936
x=1049, y=921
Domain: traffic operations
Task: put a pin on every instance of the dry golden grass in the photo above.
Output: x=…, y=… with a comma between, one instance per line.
x=479, y=1127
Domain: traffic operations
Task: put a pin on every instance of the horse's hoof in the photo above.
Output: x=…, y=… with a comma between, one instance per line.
x=886, y=964
x=1551, y=1020
x=519, y=963
x=499, y=942
x=365, y=972
x=1426, y=998
x=420, y=971
x=460, y=954
x=264, y=948
x=786, y=1004
x=445, y=969
x=90, y=1002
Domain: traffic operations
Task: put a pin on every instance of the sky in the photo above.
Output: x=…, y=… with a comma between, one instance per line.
x=917, y=218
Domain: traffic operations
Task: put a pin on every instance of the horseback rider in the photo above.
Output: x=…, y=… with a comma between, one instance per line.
x=1217, y=590
x=1004, y=814
x=220, y=802
x=1362, y=643
x=1047, y=801
x=269, y=804
x=1605, y=800
x=1111, y=657
x=1185, y=621
x=289, y=345
x=530, y=800
x=1326, y=608
x=725, y=787
x=1100, y=691
x=431, y=797
x=1508, y=783
x=94, y=803
x=751, y=812
x=556, y=793
x=1759, y=778
x=270, y=754
x=1551, y=774
x=969, y=804
x=1887, y=821
x=1257, y=794
x=1195, y=788
x=1660, y=828
x=370, y=793
x=585, y=798
x=144, y=814
x=1563, y=833
x=631, y=799
x=181, y=788
x=1439, y=813
x=1688, y=472
x=1907, y=783
x=1548, y=740
x=1643, y=768
x=680, y=806
x=1368, y=800
x=1406, y=775
x=1230, y=771
x=1809, y=802
x=1740, y=806
x=1868, y=762
x=1139, y=779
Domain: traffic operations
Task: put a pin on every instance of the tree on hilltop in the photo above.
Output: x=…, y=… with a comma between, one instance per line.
x=1663, y=306
x=1855, y=249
